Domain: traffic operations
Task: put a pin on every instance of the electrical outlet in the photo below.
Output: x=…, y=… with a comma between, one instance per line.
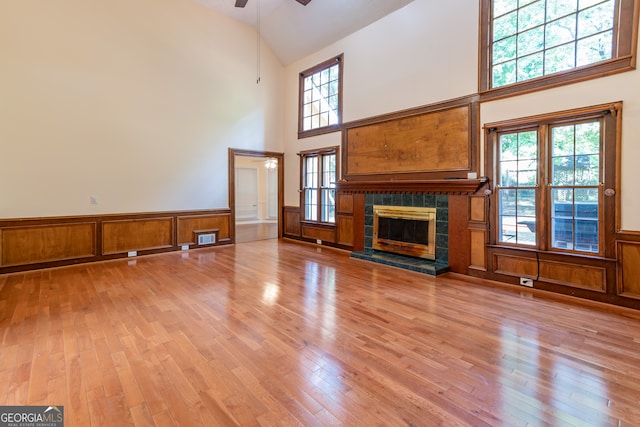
x=93, y=200
x=132, y=253
x=524, y=281
x=184, y=247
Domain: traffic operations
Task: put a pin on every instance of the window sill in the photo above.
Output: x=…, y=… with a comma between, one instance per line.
x=605, y=68
x=319, y=131
x=550, y=253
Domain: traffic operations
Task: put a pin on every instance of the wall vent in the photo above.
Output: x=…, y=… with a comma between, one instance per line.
x=206, y=239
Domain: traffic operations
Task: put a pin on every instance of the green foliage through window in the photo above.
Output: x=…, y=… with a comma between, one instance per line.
x=536, y=38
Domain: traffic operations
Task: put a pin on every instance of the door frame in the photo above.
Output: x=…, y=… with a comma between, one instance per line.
x=233, y=152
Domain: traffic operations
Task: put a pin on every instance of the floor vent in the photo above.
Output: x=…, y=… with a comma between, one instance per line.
x=206, y=239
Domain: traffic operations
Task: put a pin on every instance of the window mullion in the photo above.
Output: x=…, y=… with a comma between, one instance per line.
x=320, y=187
x=544, y=189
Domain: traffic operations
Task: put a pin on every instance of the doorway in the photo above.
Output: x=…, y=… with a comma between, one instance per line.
x=255, y=194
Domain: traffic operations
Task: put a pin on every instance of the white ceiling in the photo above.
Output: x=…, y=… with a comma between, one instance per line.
x=294, y=31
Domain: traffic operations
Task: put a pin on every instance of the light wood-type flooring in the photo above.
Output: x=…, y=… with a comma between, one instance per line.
x=280, y=333
x=250, y=232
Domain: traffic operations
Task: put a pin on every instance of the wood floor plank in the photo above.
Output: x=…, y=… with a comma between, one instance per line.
x=275, y=332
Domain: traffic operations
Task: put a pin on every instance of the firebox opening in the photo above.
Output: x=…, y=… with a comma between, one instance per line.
x=404, y=230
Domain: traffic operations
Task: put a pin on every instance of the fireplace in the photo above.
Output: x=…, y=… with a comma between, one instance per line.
x=405, y=230
x=436, y=260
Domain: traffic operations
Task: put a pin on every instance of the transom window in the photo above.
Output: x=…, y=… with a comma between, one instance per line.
x=551, y=178
x=319, y=176
x=321, y=98
x=532, y=40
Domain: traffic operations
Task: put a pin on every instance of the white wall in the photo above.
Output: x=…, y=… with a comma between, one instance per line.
x=132, y=101
x=398, y=62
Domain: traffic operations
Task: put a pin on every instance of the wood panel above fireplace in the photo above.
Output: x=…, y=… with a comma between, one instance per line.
x=433, y=142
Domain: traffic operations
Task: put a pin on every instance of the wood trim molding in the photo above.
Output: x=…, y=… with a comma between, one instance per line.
x=452, y=186
x=231, y=169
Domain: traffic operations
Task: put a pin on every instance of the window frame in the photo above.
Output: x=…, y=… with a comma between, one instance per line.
x=625, y=36
x=320, y=154
x=608, y=205
x=339, y=59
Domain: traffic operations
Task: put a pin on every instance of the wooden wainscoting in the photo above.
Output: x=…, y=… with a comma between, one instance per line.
x=628, y=250
x=292, y=227
x=347, y=233
x=584, y=276
x=478, y=235
x=30, y=243
x=187, y=224
x=314, y=232
x=350, y=221
x=122, y=236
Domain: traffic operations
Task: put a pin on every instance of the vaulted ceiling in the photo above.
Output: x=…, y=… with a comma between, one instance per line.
x=294, y=31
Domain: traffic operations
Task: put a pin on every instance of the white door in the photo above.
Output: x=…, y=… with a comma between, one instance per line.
x=246, y=193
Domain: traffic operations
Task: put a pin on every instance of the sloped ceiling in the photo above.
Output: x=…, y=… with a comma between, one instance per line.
x=294, y=31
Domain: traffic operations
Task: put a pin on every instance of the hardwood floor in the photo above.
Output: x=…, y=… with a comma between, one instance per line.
x=275, y=332
x=256, y=231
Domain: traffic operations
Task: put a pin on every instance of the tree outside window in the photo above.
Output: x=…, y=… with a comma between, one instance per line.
x=551, y=42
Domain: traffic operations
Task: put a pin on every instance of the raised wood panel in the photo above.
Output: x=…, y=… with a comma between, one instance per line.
x=358, y=222
x=477, y=212
x=190, y=223
x=121, y=236
x=458, y=235
x=629, y=270
x=292, y=221
x=326, y=234
x=428, y=142
x=478, y=239
x=344, y=203
x=344, y=230
x=579, y=276
x=515, y=266
x=46, y=243
x=561, y=273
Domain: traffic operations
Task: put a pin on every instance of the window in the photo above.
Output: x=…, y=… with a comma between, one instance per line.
x=321, y=98
x=528, y=44
x=550, y=179
x=319, y=176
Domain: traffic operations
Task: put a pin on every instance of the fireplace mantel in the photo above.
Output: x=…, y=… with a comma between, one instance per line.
x=435, y=186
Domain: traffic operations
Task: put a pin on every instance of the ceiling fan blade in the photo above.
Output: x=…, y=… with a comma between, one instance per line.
x=303, y=2
x=241, y=3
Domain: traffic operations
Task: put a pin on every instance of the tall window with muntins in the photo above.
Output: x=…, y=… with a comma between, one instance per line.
x=550, y=179
x=328, y=188
x=320, y=98
x=311, y=188
x=518, y=178
x=575, y=186
x=536, y=38
x=532, y=44
x=319, y=176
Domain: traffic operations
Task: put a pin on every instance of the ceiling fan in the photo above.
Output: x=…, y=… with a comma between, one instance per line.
x=243, y=3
